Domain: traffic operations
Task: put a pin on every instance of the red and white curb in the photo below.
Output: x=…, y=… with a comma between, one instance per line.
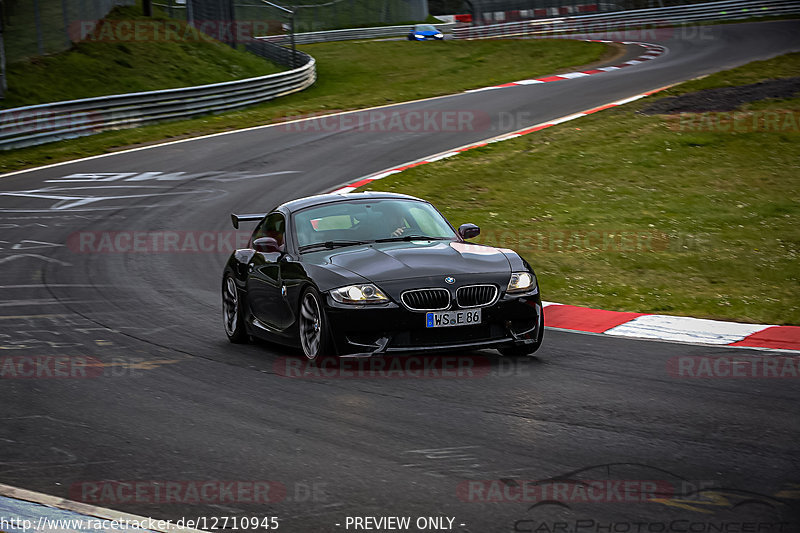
x=653, y=51
x=622, y=324
x=504, y=137
x=671, y=328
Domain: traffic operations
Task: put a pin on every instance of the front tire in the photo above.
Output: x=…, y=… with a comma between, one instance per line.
x=232, y=316
x=314, y=329
x=519, y=350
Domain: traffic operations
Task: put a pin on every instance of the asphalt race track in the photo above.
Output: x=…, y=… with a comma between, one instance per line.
x=166, y=398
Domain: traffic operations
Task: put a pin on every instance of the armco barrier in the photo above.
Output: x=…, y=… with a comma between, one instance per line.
x=605, y=22
x=39, y=124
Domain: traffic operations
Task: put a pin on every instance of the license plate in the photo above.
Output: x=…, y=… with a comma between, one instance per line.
x=446, y=319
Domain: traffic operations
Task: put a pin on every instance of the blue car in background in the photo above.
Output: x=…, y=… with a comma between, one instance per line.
x=423, y=32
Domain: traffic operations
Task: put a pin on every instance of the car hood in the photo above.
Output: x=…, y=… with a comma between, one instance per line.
x=406, y=260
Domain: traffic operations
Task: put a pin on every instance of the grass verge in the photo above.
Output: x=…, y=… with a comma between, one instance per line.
x=695, y=215
x=352, y=75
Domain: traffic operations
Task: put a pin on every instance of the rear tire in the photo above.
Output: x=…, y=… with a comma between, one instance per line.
x=232, y=316
x=314, y=330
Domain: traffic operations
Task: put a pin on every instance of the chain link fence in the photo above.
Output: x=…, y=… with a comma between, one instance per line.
x=30, y=28
x=38, y=27
x=334, y=15
x=618, y=25
x=308, y=15
x=499, y=11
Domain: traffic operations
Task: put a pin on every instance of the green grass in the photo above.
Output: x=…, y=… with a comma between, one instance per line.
x=352, y=75
x=99, y=66
x=383, y=72
x=623, y=211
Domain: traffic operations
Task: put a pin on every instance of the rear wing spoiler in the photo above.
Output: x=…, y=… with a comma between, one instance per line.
x=245, y=218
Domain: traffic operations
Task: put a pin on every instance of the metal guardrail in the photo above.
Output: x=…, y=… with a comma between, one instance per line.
x=349, y=34
x=615, y=21
x=39, y=124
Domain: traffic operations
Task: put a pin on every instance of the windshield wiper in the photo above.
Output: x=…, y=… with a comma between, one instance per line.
x=412, y=238
x=329, y=245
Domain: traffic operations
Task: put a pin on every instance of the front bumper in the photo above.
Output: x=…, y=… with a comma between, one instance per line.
x=391, y=328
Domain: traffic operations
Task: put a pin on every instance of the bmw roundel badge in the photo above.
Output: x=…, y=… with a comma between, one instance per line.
x=449, y=280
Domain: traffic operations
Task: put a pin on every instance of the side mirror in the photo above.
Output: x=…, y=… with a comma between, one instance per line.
x=266, y=245
x=468, y=231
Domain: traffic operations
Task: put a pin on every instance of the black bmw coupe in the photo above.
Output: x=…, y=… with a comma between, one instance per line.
x=374, y=273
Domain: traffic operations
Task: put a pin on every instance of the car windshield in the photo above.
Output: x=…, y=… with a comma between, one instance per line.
x=363, y=221
x=424, y=27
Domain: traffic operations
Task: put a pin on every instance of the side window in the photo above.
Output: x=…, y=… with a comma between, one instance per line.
x=273, y=226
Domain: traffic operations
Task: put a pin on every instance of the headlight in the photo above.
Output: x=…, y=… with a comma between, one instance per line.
x=359, y=294
x=419, y=36
x=521, y=281
x=438, y=35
